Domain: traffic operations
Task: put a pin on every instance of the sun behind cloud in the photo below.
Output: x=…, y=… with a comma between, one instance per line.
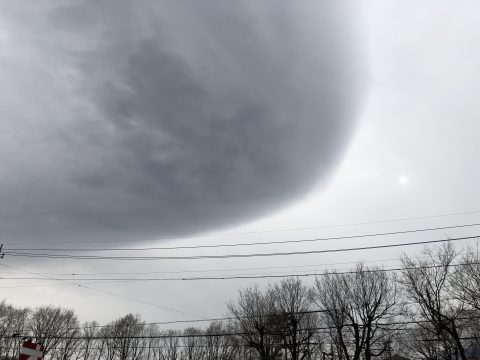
x=403, y=180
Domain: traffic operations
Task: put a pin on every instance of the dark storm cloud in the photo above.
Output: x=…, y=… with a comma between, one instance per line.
x=173, y=117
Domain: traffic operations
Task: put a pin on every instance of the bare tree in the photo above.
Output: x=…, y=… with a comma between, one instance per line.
x=108, y=344
x=296, y=321
x=192, y=344
x=254, y=319
x=5, y=327
x=218, y=344
x=358, y=306
x=416, y=342
x=464, y=287
x=333, y=297
x=127, y=332
x=51, y=325
x=68, y=346
x=465, y=279
x=13, y=324
x=426, y=283
x=90, y=347
x=170, y=346
x=152, y=343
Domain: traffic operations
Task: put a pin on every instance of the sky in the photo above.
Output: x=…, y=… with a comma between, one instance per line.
x=167, y=124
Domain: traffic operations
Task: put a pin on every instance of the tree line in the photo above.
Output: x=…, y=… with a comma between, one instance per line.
x=429, y=309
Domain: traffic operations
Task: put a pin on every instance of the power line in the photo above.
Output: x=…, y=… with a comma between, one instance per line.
x=107, y=292
x=220, y=334
x=66, y=282
x=233, y=318
x=312, y=311
x=174, y=237
x=230, y=318
x=74, y=273
x=54, y=285
x=228, y=256
x=267, y=276
x=252, y=243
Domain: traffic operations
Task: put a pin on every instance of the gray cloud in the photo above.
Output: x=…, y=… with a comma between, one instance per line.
x=141, y=120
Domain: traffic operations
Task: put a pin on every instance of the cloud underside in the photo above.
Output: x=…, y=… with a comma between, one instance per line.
x=140, y=120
